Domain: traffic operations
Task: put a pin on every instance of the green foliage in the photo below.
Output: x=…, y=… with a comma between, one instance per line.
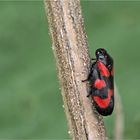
x=31, y=103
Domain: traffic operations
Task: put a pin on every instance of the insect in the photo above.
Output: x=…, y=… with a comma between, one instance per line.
x=101, y=81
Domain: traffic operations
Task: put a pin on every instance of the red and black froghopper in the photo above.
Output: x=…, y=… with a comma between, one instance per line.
x=101, y=80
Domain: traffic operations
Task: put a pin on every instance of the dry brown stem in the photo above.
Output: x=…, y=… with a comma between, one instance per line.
x=72, y=58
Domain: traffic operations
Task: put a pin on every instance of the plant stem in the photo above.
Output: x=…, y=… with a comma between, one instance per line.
x=70, y=49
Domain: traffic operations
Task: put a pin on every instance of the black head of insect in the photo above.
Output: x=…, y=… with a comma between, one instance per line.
x=104, y=57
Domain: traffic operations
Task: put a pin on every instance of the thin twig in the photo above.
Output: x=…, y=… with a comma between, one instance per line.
x=119, y=116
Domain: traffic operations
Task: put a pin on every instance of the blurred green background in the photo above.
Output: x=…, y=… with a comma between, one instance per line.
x=30, y=99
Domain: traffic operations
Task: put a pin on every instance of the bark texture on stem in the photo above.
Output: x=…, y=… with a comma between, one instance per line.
x=72, y=58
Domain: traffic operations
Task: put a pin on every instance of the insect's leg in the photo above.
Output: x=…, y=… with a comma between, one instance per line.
x=85, y=80
x=88, y=78
x=90, y=92
x=90, y=73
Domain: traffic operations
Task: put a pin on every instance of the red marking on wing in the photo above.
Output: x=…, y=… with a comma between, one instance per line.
x=103, y=103
x=99, y=84
x=103, y=69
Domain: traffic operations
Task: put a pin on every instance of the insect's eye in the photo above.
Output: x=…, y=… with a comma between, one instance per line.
x=101, y=56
